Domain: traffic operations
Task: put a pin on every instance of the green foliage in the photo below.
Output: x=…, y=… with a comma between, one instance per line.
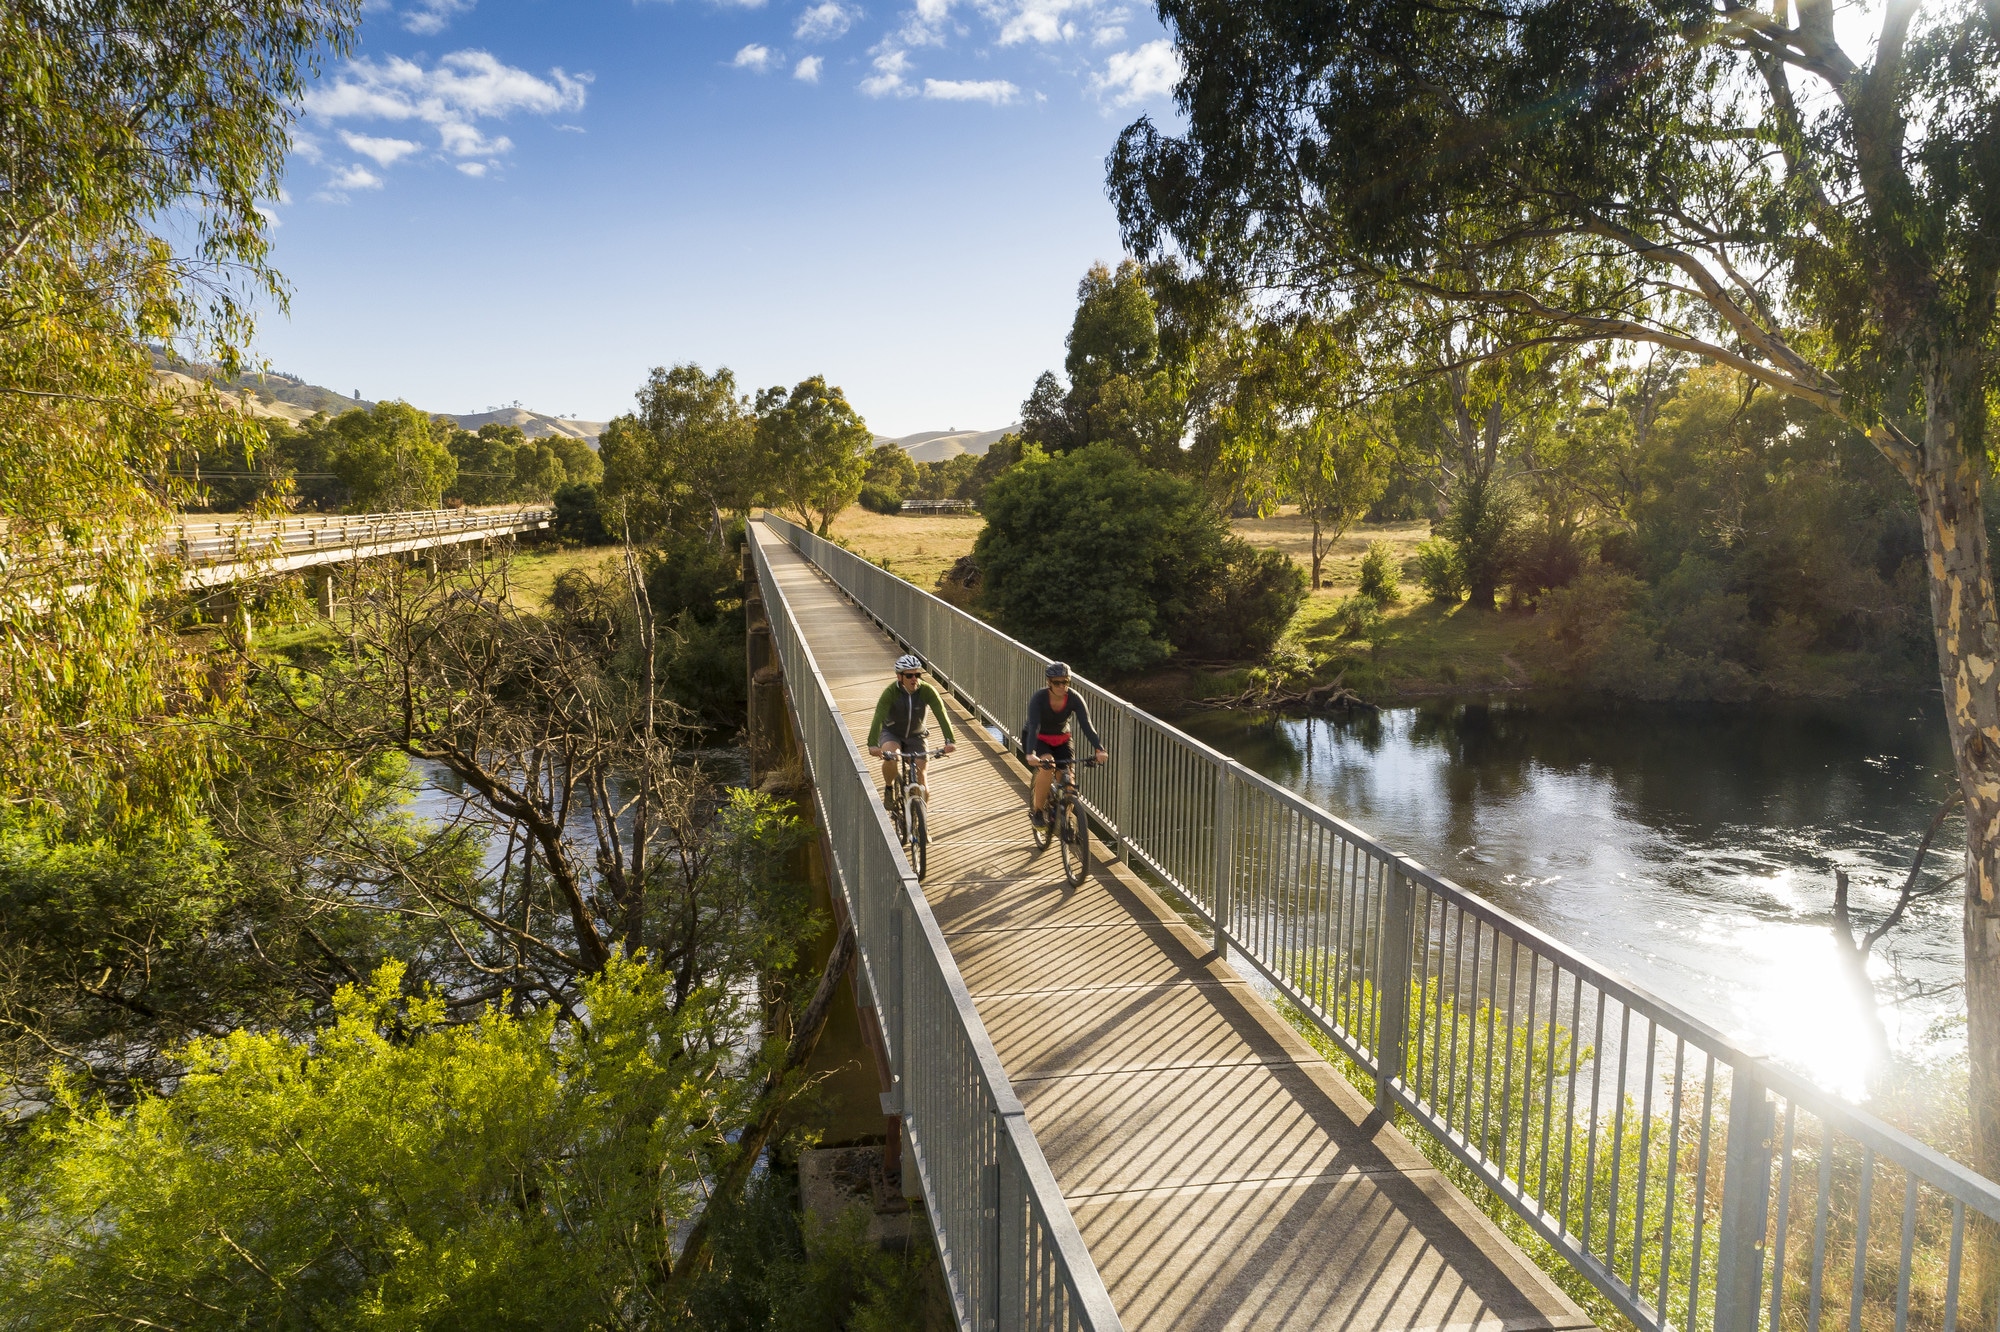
x=579, y=517
x=1356, y=617
x=880, y=499
x=891, y=469
x=1483, y=526
x=143, y=144
x=685, y=573
x=1439, y=570
x=1091, y=557
x=1248, y=609
x=813, y=448
x=685, y=459
x=1381, y=574
x=510, y=1172
x=389, y=457
x=776, y=1272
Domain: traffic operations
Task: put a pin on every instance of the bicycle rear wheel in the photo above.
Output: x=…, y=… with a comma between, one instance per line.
x=920, y=840
x=1074, y=833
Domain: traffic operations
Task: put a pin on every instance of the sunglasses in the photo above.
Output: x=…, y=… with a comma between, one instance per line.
x=909, y=675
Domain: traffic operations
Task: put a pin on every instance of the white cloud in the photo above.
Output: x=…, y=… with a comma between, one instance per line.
x=270, y=215
x=434, y=16
x=1139, y=75
x=461, y=89
x=1040, y=21
x=754, y=57
x=473, y=169
x=807, y=70
x=890, y=66
x=386, y=152
x=1107, y=35
x=824, y=22
x=356, y=177
x=997, y=91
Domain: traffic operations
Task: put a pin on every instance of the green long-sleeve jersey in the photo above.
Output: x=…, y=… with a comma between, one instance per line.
x=902, y=711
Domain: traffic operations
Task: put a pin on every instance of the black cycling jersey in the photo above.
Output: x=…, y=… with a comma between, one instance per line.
x=1045, y=720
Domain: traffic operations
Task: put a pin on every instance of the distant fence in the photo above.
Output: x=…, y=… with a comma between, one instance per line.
x=939, y=506
x=1011, y=1251
x=1694, y=1184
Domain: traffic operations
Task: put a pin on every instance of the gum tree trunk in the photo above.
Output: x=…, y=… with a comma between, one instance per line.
x=1946, y=472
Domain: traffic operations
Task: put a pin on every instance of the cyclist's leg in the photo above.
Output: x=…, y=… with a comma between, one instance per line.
x=1045, y=777
x=891, y=754
x=917, y=744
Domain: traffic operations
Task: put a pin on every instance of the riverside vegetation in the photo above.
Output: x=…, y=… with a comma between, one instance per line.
x=418, y=963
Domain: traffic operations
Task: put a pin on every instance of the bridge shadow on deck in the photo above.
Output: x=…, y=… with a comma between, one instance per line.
x=1221, y=1173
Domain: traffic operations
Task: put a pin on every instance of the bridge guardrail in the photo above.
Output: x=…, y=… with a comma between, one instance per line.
x=1011, y=1251
x=231, y=540
x=1637, y=1141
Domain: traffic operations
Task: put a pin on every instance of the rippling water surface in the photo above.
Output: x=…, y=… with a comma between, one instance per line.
x=1690, y=850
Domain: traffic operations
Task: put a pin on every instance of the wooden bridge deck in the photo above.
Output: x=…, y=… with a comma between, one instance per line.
x=1221, y=1173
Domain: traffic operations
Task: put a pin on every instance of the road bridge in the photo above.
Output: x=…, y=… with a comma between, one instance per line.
x=214, y=552
x=1112, y=1126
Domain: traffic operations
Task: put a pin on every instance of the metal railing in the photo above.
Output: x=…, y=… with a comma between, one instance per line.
x=1694, y=1184
x=250, y=540
x=1010, y=1249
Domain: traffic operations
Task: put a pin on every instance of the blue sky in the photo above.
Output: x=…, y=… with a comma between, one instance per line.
x=536, y=202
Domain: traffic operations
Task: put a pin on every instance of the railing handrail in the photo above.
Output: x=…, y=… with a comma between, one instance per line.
x=1207, y=874
x=1022, y=1186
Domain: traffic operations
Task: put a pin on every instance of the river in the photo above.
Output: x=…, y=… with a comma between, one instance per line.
x=1689, y=849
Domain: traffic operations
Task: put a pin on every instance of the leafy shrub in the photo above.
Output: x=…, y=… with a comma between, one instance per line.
x=688, y=573
x=579, y=518
x=1247, y=611
x=1548, y=559
x=1381, y=579
x=1356, y=617
x=1439, y=570
x=1094, y=557
x=880, y=499
x=1483, y=527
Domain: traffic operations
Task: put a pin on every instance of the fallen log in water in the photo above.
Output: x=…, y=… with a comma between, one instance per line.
x=1333, y=696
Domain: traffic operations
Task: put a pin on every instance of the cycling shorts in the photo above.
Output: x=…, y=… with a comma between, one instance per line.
x=917, y=740
x=1060, y=753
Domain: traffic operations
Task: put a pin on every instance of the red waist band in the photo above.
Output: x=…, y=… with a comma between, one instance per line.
x=1062, y=739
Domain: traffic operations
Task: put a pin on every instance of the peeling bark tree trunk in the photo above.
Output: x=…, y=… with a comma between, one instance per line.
x=1947, y=477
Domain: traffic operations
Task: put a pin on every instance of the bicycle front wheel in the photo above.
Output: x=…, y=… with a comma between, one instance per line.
x=920, y=840
x=1073, y=831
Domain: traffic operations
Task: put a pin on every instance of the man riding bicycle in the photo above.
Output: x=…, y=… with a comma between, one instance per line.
x=1045, y=740
x=899, y=720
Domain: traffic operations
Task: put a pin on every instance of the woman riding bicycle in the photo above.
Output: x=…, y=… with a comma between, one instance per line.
x=899, y=720
x=1045, y=740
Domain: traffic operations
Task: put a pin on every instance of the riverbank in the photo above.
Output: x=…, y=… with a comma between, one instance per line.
x=1415, y=650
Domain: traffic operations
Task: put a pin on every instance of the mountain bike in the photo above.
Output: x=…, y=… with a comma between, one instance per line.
x=1067, y=825
x=906, y=799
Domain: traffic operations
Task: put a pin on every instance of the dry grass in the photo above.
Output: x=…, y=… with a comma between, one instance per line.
x=1288, y=532
x=917, y=547
x=532, y=574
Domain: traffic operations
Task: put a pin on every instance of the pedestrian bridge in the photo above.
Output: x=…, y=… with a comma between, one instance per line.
x=1113, y=1126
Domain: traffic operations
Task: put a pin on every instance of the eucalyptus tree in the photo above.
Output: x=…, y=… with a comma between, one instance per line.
x=813, y=450
x=140, y=144
x=685, y=458
x=1812, y=204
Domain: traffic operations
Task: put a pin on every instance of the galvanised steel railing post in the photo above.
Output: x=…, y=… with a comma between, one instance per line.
x=1225, y=854
x=1010, y=1273
x=1746, y=1190
x=1392, y=984
x=989, y=1229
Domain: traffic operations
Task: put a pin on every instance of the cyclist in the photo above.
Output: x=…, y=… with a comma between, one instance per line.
x=1045, y=740
x=899, y=719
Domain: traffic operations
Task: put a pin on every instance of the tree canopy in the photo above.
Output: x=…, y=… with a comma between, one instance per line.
x=813, y=450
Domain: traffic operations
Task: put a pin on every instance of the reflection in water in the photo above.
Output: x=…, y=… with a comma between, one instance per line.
x=1690, y=850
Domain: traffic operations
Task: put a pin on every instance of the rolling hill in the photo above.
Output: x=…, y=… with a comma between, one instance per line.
x=937, y=445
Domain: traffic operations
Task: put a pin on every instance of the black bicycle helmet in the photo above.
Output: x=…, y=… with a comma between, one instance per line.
x=1058, y=670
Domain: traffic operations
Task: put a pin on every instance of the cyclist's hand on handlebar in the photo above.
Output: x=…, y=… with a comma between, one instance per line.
x=949, y=747
x=875, y=750
x=1101, y=757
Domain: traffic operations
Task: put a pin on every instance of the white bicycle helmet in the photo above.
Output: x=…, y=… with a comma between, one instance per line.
x=906, y=662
